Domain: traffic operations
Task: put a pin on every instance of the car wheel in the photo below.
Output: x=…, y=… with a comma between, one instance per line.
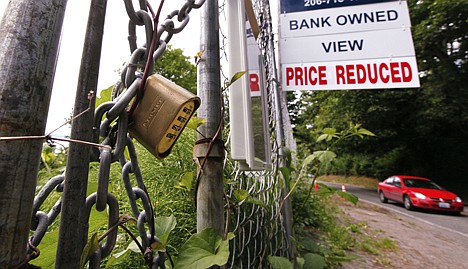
x=408, y=203
x=382, y=197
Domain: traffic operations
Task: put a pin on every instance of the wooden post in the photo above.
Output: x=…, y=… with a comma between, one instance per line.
x=29, y=40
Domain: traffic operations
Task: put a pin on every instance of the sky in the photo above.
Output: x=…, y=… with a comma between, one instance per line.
x=114, y=53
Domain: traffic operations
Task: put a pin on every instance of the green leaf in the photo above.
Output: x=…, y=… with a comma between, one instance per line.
x=348, y=196
x=363, y=131
x=91, y=246
x=230, y=236
x=195, y=122
x=203, y=250
x=324, y=156
x=287, y=152
x=325, y=191
x=241, y=195
x=309, y=159
x=300, y=262
x=286, y=173
x=322, y=137
x=164, y=226
x=329, y=131
x=117, y=258
x=347, y=258
x=186, y=181
x=328, y=135
x=133, y=246
x=310, y=245
x=104, y=96
x=314, y=261
x=279, y=262
x=256, y=201
x=237, y=76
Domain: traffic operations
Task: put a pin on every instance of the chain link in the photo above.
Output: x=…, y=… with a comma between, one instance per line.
x=110, y=126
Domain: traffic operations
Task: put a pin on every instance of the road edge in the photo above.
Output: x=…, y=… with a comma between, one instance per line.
x=415, y=218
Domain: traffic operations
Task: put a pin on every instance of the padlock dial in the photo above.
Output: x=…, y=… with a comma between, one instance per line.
x=176, y=127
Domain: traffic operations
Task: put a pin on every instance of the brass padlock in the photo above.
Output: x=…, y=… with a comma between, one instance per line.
x=161, y=115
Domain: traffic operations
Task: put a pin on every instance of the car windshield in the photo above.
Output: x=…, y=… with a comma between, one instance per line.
x=418, y=183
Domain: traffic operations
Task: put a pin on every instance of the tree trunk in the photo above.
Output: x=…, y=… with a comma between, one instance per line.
x=29, y=39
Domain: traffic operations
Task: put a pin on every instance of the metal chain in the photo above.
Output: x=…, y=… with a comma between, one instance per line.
x=112, y=131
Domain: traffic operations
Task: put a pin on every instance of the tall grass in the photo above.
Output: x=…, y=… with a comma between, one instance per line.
x=161, y=179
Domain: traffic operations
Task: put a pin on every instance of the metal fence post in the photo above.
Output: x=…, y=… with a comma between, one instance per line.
x=72, y=234
x=29, y=40
x=210, y=199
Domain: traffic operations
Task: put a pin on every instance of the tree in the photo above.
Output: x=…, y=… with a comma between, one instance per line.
x=175, y=66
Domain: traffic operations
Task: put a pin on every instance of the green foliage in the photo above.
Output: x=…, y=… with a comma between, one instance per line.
x=91, y=246
x=48, y=248
x=318, y=213
x=186, y=181
x=313, y=261
x=195, y=122
x=164, y=227
x=175, y=66
x=234, y=78
x=348, y=196
x=118, y=258
x=204, y=250
x=104, y=96
x=170, y=185
x=53, y=162
x=49, y=243
x=312, y=208
x=376, y=246
x=241, y=195
x=279, y=262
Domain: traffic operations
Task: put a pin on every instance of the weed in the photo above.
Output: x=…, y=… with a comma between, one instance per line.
x=386, y=244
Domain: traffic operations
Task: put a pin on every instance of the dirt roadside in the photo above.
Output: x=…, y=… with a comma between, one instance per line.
x=419, y=245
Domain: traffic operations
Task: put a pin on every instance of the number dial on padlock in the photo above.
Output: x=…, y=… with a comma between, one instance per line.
x=161, y=115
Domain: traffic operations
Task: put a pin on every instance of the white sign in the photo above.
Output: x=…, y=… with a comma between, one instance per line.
x=355, y=46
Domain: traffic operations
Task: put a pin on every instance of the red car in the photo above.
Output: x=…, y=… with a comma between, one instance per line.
x=418, y=192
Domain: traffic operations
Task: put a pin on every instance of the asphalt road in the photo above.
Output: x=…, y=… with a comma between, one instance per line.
x=456, y=224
